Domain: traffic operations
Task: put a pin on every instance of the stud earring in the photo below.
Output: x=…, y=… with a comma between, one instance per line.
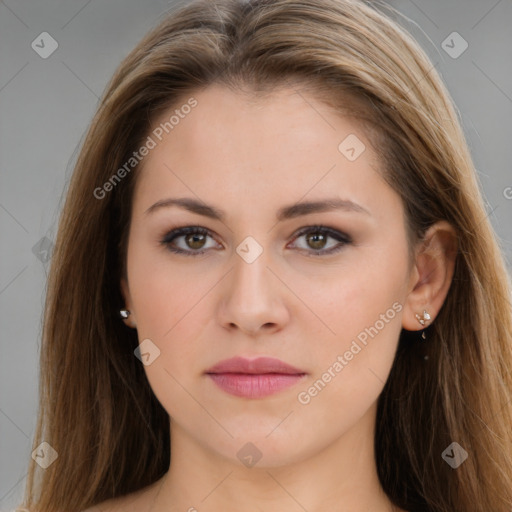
x=423, y=319
x=124, y=314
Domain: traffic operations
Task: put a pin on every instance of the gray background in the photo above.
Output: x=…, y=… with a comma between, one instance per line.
x=46, y=105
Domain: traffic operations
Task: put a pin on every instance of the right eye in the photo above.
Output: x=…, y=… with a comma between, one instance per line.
x=193, y=240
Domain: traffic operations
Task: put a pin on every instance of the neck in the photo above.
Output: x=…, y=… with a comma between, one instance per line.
x=342, y=477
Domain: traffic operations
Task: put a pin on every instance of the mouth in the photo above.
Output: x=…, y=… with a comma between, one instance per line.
x=256, y=378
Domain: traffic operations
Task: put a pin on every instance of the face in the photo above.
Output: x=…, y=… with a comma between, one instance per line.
x=252, y=272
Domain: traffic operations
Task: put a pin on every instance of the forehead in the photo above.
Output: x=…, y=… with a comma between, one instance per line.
x=244, y=149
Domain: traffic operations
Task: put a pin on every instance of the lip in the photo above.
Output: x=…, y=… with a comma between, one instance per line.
x=254, y=378
x=254, y=366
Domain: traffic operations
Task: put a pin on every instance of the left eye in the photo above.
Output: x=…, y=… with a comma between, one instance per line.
x=317, y=236
x=194, y=238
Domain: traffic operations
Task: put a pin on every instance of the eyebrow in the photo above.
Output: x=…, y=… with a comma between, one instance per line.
x=284, y=213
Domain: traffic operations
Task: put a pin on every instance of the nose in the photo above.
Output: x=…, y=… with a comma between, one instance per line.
x=253, y=298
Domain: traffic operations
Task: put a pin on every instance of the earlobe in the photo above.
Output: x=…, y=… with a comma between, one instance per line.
x=432, y=276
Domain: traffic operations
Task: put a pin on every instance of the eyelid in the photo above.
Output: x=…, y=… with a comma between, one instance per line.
x=342, y=238
x=323, y=228
x=177, y=232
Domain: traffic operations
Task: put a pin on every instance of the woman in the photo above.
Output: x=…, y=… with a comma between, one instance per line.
x=275, y=286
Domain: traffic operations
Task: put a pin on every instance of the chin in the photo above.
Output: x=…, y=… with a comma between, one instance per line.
x=263, y=447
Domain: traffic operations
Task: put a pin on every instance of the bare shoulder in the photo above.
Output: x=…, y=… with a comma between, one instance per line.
x=138, y=501
x=126, y=503
x=114, y=505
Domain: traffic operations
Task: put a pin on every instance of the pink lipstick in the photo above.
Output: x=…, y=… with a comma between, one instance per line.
x=254, y=378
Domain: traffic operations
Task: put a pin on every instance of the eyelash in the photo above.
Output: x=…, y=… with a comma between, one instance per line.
x=341, y=237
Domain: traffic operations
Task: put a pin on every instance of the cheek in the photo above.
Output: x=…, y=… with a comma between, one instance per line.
x=169, y=306
x=351, y=371
x=171, y=312
x=362, y=308
x=356, y=294
x=163, y=294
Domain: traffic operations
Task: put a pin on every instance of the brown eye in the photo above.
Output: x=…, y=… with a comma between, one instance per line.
x=316, y=239
x=194, y=240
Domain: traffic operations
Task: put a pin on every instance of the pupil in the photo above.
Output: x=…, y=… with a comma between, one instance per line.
x=320, y=238
x=195, y=238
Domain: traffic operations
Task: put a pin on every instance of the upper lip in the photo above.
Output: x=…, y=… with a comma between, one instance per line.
x=256, y=366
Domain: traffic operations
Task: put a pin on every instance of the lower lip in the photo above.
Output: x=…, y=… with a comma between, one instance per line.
x=254, y=386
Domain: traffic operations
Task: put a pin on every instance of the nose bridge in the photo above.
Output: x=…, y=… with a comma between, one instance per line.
x=251, y=298
x=250, y=274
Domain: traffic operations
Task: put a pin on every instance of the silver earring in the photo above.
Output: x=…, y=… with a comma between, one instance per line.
x=423, y=319
x=124, y=313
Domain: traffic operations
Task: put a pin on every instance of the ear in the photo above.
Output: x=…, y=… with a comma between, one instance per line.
x=125, y=292
x=431, y=275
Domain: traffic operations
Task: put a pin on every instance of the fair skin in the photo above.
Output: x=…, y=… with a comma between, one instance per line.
x=250, y=158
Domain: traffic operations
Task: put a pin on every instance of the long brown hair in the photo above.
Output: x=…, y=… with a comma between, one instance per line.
x=97, y=409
